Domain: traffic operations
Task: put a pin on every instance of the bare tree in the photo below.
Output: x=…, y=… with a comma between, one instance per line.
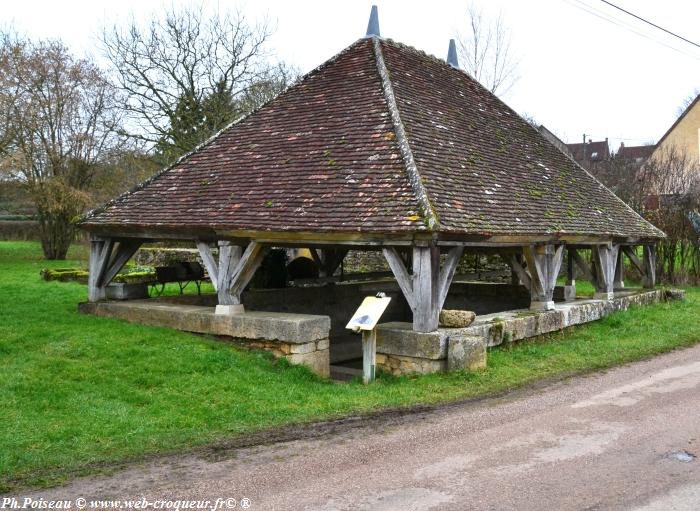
x=486, y=53
x=187, y=75
x=667, y=192
x=687, y=102
x=58, y=117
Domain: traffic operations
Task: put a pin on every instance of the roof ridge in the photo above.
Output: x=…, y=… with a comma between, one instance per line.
x=414, y=177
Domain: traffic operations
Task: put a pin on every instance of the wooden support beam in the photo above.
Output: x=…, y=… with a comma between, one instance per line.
x=369, y=355
x=619, y=280
x=582, y=266
x=229, y=258
x=632, y=256
x=402, y=276
x=604, y=259
x=427, y=287
x=426, y=268
x=124, y=251
x=507, y=258
x=447, y=273
x=209, y=262
x=543, y=262
x=570, y=268
x=104, y=258
x=100, y=253
x=570, y=286
x=518, y=268
x=244, y=270
x=649, y=280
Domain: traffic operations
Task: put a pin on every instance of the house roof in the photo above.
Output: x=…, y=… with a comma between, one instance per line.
x=595, y=151
x=635, y=152
x=680, y=118
x=384, y=139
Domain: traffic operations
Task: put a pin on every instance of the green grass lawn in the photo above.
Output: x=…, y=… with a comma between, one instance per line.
x=77, y=392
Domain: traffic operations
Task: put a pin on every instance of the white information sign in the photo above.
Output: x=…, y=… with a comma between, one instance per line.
x=368, y=313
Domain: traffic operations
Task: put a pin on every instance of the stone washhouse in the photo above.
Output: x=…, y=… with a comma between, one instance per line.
x=382, y=148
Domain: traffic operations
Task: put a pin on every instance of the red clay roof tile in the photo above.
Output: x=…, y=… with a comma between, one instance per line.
x=324, y=157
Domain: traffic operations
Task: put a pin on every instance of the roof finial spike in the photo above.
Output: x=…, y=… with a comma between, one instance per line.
x=452, y=54
x=373, y=25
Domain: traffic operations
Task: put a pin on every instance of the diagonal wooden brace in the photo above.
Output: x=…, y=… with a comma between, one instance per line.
x=426, y=289
x=543, y=262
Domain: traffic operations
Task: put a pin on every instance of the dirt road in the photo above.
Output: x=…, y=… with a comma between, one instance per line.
x=624, y=439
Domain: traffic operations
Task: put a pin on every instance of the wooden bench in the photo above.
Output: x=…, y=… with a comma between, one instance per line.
x=183, y=273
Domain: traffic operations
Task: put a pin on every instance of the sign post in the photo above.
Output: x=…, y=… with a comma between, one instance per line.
x=365, y=319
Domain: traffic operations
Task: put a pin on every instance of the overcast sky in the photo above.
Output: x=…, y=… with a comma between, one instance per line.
x=585, y=67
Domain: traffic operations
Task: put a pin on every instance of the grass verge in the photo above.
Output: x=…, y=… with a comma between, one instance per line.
x=78, y=392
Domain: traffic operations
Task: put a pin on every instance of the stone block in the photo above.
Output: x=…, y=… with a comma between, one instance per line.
x=302, y=348
x=549, y=321
x=466, y=353
x=399, y=365
x=323, y=344
x=456, y=318
x=293, y=328
x=522, y=327
x=561, y=293
x=398, y=338
x=318, y=361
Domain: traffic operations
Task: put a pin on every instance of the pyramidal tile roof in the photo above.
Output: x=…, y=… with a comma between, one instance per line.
x=381, y=139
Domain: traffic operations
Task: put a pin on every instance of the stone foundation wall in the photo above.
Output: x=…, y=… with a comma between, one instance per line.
x=401, y=351
x=301, y=339
x=315, y=355
x=516, y=325
x=399, y=365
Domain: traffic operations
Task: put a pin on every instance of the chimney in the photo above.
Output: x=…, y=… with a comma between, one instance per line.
x=373, y=25
x=452, y=54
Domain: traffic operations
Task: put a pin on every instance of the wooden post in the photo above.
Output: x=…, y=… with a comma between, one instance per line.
x=369, y=355
x=96, y=292
x=426, y=267
x=229, y=257
x=570, y=287
x=543, y=262
x=106, y=262
x=604, y=262
x=426, y=289
x=649, y=280
x=619, y=281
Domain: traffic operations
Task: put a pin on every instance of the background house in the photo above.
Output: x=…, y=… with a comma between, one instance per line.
x=635, y=154
x=590, y=154
x=683, y=136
